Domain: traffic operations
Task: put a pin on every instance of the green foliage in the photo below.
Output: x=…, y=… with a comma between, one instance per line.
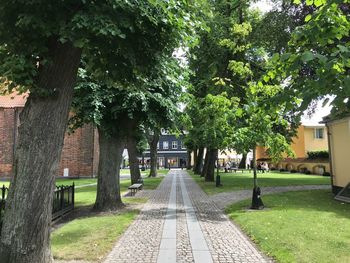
x=316, y=63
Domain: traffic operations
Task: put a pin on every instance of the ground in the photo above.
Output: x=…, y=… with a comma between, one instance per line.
x=239, y=181
x=306, y=226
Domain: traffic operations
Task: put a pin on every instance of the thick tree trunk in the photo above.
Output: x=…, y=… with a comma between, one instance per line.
x=25, y=236
x=133, y=160
x=153, y=142
x=195, y=156
x=108, y=188
x=243, y=161
x=209, y=176
x=198, y=167
x=254, y=168
x=189, y=160
x=206, y=162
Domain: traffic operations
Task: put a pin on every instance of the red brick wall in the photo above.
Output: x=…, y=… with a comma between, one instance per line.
x=7, y=123
x=77, y=154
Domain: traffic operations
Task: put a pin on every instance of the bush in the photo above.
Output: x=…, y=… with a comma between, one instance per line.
x=273, y=169
x=307, y=172
x=326, y=174
x=282, y=170
x=318, y=155
x=293, y=171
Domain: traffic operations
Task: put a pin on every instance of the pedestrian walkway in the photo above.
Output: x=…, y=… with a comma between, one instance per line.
x=180, y=223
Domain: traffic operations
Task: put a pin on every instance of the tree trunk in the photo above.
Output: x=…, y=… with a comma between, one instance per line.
x=189, y=160
x=133, y=160
x=195, y=156
x=206, y=162
x=25, y=236
x=210, y=173
x=199, y=161
x=153, y=142
x=242, y=163
x=108, y=185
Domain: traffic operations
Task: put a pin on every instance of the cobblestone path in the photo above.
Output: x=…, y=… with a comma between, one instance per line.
x=180, y=223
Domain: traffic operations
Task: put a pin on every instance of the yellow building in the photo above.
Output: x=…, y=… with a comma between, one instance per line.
x=339, y=141
x=309, y=138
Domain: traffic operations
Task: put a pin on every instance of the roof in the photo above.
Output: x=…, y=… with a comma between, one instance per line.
x=336, y=116
x=13, y=100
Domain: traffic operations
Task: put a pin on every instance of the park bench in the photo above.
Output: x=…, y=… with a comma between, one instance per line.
x=134, y=188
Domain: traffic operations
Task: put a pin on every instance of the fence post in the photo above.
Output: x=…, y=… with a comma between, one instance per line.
x=3, y=192
x=62, y=196
x=73, y=190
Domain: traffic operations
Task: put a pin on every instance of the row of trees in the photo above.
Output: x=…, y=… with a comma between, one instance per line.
x=255, y=74
x=114, y=61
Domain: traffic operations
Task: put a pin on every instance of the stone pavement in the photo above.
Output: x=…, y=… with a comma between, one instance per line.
x=180, y=223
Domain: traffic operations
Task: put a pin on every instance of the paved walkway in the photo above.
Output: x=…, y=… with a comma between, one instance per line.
x=180, y=223
x=224, y=199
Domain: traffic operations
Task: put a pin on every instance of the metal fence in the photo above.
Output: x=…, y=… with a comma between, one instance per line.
x=63, y=201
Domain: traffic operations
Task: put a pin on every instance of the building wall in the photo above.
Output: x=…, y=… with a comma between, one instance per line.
x=298, y=144
x=340, y=151
x=315, y=167
x=77, y=154
x=314, y=144
x=7, y=137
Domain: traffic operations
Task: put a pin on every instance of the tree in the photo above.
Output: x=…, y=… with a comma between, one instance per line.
x=115, y=39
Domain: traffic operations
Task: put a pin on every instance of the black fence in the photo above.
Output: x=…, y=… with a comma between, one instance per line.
x=63, y=201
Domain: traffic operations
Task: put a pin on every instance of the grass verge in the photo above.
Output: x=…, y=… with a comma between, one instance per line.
x=239, y=181
x=307, y=226
x=90, y=238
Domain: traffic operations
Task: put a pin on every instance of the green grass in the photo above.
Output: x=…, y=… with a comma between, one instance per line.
x=90, y=238
x=86, y=196
x=160, y=172
x=307, y=226
x=239, y=181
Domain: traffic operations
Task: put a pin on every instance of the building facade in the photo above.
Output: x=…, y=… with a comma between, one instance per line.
x=80, y=150
x=339, y=142
x=309, y=138
x=172, y=152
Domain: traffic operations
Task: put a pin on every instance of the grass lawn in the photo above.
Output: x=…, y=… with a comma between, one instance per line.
x=160, y=171
x=90, y=238
x=307, y=226
x=86, y=195
x=239, y=181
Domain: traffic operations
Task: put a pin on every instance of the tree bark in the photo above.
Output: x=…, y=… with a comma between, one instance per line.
x=108, y=185
x=206, y=162
x=254, y=168
x=25, y=236
x=199, y=161
x=189, y=160
x=242, y=163
x=133, y=160
x=153, y=142
x=210, y=173
x=195, y=156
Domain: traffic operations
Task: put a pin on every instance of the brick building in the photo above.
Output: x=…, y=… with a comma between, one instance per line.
x=80, y=151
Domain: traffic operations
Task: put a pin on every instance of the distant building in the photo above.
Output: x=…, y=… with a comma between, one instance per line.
x=80, y=150
x=171, y=152
x=309, y=138
x=339, y=141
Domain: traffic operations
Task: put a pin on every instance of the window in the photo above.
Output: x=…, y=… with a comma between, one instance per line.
x=319, y=133
x=157, y=145
x=174, y=145
x=183, y=146
x=165, y=145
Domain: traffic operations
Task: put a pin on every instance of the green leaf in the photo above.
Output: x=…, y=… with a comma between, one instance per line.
x=308, y=18
x=307, y=56
x=309, y=2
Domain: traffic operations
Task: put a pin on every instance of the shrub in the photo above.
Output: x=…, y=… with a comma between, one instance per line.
x=282, y=170
x=318, y=155
x=307, y=172
x=326, y=174
x=293, y=171
x=272, y=169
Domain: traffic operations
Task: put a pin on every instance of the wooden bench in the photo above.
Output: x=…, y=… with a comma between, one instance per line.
x=134, y=188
